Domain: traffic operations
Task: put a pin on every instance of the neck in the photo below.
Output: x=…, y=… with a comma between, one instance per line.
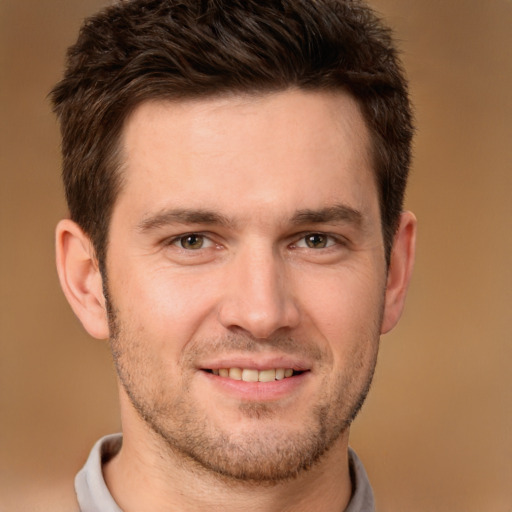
x=146, y=475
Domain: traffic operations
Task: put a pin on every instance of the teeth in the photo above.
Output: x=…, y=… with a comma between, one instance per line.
x=235, y=373
x=267, y=376
x=251, y=375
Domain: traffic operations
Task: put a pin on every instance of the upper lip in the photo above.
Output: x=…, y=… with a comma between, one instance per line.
x=256, y=363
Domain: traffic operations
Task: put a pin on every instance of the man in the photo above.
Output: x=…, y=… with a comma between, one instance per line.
x=235, y=174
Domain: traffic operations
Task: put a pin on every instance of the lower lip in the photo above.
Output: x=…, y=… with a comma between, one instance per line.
x=258, y=391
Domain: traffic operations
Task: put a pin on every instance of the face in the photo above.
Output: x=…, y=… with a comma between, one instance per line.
x=246, y=278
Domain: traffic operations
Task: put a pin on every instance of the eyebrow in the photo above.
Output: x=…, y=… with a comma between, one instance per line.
x=330, y=214
x=182, y=216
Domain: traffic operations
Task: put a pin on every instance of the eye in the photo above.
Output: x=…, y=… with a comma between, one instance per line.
x=193, y=242
x=316, y=241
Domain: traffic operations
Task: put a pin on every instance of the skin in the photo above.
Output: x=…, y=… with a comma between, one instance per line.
x=285, y=268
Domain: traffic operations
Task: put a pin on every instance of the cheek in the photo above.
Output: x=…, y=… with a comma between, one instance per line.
x=163, y=307
x=342, y=299
x=345, y=309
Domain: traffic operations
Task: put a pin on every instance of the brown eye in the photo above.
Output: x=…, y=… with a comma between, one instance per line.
x=192, y=242
x=316, y=240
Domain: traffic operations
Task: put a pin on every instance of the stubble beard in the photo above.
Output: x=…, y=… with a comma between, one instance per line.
x=262, y=455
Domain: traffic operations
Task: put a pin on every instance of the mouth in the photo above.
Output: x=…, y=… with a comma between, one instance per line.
x=254, y=375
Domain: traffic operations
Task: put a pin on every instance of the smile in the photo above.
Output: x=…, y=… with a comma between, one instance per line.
x=252, y=375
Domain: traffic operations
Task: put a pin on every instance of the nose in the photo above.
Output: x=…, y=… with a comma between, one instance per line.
x=258, y=296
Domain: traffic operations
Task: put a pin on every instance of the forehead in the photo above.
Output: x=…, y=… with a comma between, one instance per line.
x=280, y=148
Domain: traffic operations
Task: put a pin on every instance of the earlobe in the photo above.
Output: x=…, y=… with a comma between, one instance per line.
x=80, y=278
x=400, y=271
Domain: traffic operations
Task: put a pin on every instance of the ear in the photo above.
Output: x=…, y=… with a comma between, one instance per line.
x=400, y=270
x=80, y=278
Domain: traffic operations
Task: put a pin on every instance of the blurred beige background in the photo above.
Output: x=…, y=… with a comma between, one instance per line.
x=436, y=432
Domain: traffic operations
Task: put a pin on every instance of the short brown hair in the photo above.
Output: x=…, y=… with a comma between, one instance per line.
x=137, y=50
